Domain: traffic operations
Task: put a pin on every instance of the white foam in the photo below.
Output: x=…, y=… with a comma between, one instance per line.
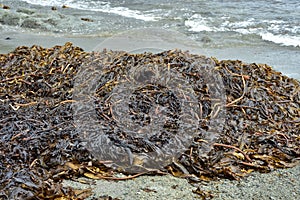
x=197, y=23
x=100, y=6
x=47, y=3
x=271, y=33
x=242, y=24
x=285, y=40
x=125, y=12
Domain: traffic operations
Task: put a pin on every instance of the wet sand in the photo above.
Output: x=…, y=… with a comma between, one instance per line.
x=10, y=40
x=283, y=59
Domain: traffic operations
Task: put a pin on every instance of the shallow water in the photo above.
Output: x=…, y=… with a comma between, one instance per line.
x=225, y=23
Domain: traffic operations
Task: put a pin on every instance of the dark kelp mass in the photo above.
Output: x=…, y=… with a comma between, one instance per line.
x=257, y=128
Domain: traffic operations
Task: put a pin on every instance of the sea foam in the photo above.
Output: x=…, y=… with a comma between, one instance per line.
x=100, y=6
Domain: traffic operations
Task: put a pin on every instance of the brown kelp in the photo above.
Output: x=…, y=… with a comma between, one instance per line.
x=255, y=128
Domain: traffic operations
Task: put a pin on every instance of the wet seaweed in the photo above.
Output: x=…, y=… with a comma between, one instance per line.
x=41, y=145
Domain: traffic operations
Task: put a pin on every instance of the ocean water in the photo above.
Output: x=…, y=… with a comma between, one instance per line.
x=270, y=25
x=221, y=21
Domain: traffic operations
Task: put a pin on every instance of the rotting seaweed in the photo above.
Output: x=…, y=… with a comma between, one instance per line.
x=40, y=144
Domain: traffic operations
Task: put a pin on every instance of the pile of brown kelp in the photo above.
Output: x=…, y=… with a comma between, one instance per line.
x=40, y=144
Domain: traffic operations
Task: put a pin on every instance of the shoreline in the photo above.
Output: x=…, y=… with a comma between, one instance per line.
x=283, y=59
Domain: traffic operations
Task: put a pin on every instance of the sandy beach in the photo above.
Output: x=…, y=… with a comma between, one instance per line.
x=279, y=184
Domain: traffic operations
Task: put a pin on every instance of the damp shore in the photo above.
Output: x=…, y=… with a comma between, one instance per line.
x=283, y=59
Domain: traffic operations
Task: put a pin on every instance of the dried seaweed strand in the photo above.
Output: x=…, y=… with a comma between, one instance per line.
x=242, y=96
x=233, y=147
x=130, y=177
x=18, y=77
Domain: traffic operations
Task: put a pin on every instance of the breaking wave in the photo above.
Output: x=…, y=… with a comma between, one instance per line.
x=99, y=6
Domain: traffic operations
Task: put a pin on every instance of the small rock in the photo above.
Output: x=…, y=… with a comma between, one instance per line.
x=5, y=7
x=87, y=19
x=206, y=39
